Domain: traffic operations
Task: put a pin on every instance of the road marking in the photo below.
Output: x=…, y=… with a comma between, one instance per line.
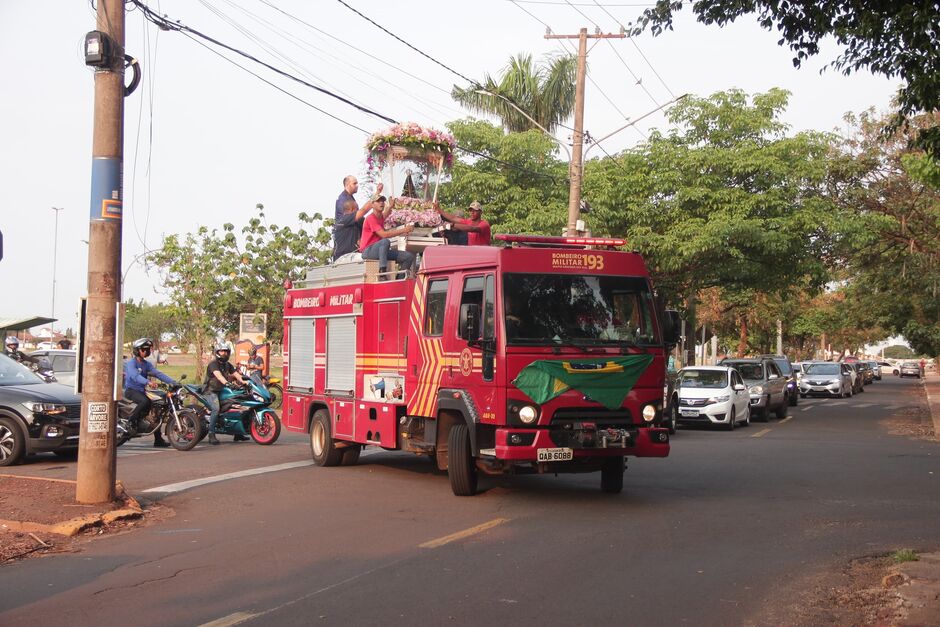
x=864, y=405
x=460, y=535
x=761, y=433
x=839, y=403
x=785, y=419
x=806, y=408
x=170, y=488
x=231, y=619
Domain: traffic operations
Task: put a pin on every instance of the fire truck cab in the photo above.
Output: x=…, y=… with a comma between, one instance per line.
x=545, y=355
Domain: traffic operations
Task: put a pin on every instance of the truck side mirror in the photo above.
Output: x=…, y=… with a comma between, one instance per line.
x=672, y=327
x=470, y=322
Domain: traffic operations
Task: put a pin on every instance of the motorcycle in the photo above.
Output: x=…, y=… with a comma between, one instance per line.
x=243, y=411
x=181, y=424
x=272, y=384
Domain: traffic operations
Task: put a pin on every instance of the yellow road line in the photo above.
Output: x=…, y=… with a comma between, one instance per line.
x=460, y=535
x=761, y=433
x=231, y=619
x=785, y=419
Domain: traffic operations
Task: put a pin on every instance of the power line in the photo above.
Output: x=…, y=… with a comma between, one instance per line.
x=583, y=4
x=166, y=24
x=422, y=53
x=637, y=46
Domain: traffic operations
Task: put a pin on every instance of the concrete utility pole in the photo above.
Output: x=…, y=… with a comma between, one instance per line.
x=55, y=250
x=576, y=167
x=96, y=455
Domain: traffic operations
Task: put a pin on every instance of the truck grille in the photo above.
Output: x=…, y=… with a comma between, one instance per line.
x=592, y=414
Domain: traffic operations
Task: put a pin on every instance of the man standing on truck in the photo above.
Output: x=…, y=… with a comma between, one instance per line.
x=476, y=228
x=375, y=242
x=350, y=187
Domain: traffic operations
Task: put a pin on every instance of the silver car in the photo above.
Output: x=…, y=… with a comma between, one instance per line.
x=62, y=363
x=826, y=378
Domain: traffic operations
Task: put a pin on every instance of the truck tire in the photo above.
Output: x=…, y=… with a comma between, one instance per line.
x=461, y=469
x=612, y=474
x=322, y=448
x=351, y=455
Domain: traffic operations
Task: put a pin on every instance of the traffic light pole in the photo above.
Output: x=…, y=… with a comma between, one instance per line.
x=96, y=453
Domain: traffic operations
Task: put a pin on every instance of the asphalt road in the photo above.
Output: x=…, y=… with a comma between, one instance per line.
x=712, y=535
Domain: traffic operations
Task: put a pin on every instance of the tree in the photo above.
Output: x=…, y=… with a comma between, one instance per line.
x=142, y=319
x=894, y=39
x=212, y=277
x=546, y=93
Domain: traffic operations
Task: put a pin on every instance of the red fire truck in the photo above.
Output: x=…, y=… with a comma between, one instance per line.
x=546, y=354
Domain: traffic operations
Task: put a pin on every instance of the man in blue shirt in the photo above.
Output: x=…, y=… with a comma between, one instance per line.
x=137, y=373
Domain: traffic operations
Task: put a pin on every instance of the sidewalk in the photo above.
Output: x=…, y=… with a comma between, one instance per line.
x=918, y=583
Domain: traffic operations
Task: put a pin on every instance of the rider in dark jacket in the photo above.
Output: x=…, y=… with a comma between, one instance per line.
x=137, y=373
x=218, y=373
x=11, y=348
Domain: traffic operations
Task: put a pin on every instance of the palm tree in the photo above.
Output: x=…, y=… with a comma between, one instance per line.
x=545, y=93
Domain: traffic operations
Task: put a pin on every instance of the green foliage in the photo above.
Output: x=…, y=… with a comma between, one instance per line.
x=727, y=199
x=898, y=351
x=145, y=320
x=904, y=555
x=213, y=276
x=545, y=93
x=894, y=39
x=529, y=198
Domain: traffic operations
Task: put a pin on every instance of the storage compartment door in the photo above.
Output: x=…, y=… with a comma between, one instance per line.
x=300, y=358
x=341, y=356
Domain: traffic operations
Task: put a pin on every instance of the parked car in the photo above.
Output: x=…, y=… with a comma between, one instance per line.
x=910, y=369
x=62, y=363
x=875, y=368
x=766, y=384
x=868, y=376
x=45, y=345
x=889, y=368
x=858, y=379
x=713, y=395
x=786, y=369
x=35, y=416
x=826, y=378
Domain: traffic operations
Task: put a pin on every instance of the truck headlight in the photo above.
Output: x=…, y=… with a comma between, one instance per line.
x=649, y=413
x=528, y=414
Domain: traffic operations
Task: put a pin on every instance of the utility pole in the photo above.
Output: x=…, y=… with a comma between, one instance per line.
x=55, y=250
x=104, y=50
x=576, y=167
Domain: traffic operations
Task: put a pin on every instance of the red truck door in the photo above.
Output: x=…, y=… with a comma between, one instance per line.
x=472, y=359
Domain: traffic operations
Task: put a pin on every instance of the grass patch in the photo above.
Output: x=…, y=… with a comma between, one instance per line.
x=177, y=371
x=904, y=555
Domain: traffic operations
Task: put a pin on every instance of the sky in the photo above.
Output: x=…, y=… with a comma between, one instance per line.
x=206, y=141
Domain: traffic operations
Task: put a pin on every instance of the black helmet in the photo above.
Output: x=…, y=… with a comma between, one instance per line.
x=253, y=350
x=142, y=344
x=223, y=348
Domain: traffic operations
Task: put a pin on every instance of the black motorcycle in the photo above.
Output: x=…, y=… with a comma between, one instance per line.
x=182, y=425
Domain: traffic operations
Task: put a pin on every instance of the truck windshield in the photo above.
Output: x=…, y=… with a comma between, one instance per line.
x=578, y=310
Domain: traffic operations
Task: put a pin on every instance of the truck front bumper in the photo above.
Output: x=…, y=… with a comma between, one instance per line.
x=522, y=445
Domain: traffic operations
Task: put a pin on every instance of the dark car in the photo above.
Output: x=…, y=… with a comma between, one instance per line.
x=787, y=370
x=766, y=384
x=868, y=375
x=35, y=416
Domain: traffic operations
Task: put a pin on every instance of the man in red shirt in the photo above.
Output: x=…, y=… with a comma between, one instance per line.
x=375, y=244
x=477, y=229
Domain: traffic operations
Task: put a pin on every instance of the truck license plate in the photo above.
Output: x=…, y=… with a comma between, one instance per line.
x=555, y=454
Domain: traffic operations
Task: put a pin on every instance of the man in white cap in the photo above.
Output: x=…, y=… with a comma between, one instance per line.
x=476, y=228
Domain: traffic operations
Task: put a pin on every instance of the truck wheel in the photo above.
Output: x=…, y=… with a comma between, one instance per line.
x=351, y=455
x=461, y=468
x=12, y=442
x=612, y=474
x=324, y=451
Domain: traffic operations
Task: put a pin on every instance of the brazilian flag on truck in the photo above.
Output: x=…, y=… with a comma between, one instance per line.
x=606, y=380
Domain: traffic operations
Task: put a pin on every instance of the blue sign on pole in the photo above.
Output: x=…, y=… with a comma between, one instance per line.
x=106, y=189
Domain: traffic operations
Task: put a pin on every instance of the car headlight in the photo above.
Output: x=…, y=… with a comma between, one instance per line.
x=719, y=399
x=649, y=413
x=45, y=408
x=528, y=414
x=756, y=389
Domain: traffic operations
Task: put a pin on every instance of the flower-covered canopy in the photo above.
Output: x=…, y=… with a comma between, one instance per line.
x=411, y=135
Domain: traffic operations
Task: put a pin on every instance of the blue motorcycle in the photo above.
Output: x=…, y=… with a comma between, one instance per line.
x=243, y=411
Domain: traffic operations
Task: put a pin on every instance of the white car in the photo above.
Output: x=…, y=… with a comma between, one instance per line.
x=713, y=395
x=62, y=363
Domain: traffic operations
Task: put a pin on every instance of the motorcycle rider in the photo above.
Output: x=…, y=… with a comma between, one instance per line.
x=11, y=348
x=219, y=373
x=137, y=373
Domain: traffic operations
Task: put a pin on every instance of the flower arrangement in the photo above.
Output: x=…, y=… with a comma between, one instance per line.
x=420, y=213
x=412, y=135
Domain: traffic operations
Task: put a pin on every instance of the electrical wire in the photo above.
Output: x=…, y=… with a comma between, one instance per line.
x=637, y=46
x=166, y=24
x=422, y=53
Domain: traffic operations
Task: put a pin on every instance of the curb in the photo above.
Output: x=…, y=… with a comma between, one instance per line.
x=918, y=585
x=933, y=402
x=73, y=526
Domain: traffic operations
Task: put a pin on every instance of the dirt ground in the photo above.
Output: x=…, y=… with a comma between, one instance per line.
x=48, y=502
